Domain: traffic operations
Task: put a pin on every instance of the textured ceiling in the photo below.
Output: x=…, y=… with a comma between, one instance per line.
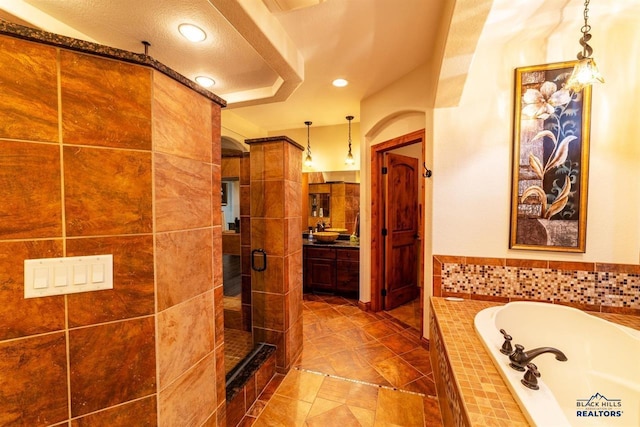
x=273, y=60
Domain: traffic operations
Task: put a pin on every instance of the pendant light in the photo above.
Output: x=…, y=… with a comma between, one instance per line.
x=307, y=160
x=585, y=73
x=349, y=160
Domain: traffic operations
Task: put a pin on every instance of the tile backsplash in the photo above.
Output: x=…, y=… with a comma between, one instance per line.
x=590, y=286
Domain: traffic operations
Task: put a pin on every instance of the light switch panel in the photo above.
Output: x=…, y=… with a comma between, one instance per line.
x=58, y=276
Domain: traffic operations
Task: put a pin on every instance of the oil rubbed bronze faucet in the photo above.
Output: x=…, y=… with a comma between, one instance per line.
x=520, y=358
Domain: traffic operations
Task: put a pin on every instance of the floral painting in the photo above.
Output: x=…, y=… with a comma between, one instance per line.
x=550, y=160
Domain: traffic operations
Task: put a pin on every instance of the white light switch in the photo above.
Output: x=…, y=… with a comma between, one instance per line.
x=60, y=275
x=40, y=278
x=97, y=273
x=57, y=276
x=79, y=274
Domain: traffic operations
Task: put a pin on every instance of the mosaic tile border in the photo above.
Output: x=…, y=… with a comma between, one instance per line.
x=588, y=286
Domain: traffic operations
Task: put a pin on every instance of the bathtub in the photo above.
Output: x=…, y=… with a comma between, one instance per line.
x=599, y=384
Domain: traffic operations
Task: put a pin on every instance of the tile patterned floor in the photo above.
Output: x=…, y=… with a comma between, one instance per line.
x=356, y=369
x=409, y=313
x=237, y=344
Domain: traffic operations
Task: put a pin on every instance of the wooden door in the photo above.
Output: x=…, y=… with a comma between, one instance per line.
x=401, y=217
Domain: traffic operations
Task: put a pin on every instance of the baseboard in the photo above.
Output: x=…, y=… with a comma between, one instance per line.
x=364, y=306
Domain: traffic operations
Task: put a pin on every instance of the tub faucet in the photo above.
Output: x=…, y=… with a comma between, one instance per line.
x=520, y=358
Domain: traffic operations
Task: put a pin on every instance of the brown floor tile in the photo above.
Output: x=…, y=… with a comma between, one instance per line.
x=316, y=329
x=271, y=387
x=356, y=337
x=340, y=324
x=356, y=369
x=330, y=344
x=399, y=408
x=397, y=371
x=432, y=415
x=423, y=385
x=370, y=375
x=328, y=314
x=300, y=385
x=334, y=414
x=399, y=344
x=247, y=421
x=257, y=408
x=348, y=310
x=319, y=364
x=419, y=359
x=334, y=389
x=380, y=329
x=374, y=352
x=361, y=319
x=344, y=362
x=283, y=411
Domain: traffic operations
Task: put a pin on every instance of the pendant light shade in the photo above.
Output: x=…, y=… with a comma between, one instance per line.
x=308, y=161
x=349, y=160
x=585, y=73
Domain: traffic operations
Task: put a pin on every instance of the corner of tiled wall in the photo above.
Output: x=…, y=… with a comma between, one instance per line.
x=275, y=192
x=81, y=177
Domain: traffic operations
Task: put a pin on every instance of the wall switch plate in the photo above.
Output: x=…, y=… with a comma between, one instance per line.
x=67, y=275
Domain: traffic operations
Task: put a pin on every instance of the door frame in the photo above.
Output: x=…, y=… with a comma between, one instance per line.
x=377, y=215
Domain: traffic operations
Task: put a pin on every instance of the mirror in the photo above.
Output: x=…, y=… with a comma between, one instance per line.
x=331, y=202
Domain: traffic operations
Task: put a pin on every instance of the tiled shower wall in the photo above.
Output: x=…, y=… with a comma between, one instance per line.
x=588, y=286
x=276, y=292
x=99, y=156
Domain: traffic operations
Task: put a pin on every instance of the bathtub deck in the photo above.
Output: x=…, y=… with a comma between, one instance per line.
x=483, y=398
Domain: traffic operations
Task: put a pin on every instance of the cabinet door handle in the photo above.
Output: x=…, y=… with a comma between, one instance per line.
x=256, y=267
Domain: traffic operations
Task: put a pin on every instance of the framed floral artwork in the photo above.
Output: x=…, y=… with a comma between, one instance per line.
x=550, y=160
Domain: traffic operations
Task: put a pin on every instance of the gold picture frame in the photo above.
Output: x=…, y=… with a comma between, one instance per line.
x=550, y=167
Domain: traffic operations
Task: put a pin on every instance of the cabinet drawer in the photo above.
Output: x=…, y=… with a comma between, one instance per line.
x=348, y=254
x=322, y=253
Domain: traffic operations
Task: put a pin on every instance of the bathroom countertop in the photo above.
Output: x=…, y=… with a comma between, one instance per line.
x=486, y=398
x=340, y=243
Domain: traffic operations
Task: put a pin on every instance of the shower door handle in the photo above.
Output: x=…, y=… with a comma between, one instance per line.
x=262, y=266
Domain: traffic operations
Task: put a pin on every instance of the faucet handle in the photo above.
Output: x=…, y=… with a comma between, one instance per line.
x=530, y=379
x=517, y=357
x=506, y=346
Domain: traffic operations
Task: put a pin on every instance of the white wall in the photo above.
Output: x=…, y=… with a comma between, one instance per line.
x=473, y=141
x=398, y=110
x=469, y=145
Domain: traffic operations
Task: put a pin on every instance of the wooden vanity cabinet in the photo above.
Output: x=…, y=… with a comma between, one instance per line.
x=331, y=270
x=320, y=269
x=347, y=270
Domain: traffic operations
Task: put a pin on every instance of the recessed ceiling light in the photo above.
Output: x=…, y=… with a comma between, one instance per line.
x=205, y=81
x=340, y=82
x=192, y=33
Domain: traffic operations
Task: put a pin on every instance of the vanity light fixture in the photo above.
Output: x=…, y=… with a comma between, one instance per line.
x=585, y=73
x=205, y=81
x=192, y=33
x=307, y=160
x=340, y=83
x=349, y=160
